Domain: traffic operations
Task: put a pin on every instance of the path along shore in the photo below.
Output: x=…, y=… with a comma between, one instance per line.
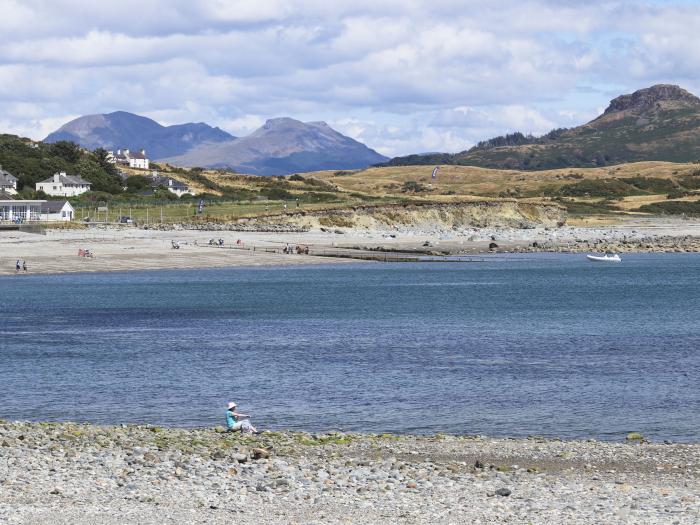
x=68, y=473
x=120, y=249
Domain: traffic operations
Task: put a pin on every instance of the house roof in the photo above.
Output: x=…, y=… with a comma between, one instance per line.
x=178, y=184
x=53, y=206
x=6, y=177
x=69, y=180
x=159, y=182
x=137, y=155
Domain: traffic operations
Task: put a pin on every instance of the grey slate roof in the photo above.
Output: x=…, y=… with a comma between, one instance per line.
x=52, y=206
x=163, y=182
x=6, y=178
x=69, y=180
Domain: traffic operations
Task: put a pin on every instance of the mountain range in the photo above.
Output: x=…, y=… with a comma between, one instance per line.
x=661, y=122
x=281, y=146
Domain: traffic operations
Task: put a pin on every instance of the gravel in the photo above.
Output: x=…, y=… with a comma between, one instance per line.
x=70, y=473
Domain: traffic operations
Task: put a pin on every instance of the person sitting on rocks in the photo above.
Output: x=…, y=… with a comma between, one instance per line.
x=233, y=422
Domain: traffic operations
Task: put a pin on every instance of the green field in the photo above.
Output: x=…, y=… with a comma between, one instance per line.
x=213, y=211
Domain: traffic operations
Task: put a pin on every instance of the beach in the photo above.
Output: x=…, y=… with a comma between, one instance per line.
x=129, y=248
x=71, y=473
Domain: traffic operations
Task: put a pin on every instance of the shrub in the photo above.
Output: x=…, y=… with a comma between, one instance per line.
x=691, y=209
x=411, y=186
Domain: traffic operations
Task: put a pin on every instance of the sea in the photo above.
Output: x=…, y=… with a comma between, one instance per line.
x=509, y=345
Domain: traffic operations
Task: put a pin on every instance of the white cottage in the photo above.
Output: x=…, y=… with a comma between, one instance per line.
x=137, y=160
x=62, y=185
x=8, y=182
x=172, y=185
x=57, y=211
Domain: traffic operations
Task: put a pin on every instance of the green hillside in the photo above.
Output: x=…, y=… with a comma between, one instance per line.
x=32, y=162
x=658, y=123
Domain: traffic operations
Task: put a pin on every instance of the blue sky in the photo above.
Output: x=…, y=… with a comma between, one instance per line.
x=403, y=76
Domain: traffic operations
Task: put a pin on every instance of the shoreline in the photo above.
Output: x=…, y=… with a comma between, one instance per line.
x=130, y=249
x=70, y=473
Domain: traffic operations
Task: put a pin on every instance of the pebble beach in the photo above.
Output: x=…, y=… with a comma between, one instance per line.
x=74, y=473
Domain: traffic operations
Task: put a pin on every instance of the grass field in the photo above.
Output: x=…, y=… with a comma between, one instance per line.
x=213, y=211
x=584, y=191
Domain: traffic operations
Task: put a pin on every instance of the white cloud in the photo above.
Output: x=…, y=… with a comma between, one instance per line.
x=395, y=74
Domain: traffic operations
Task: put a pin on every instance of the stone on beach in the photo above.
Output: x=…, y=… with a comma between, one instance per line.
x=68, y=473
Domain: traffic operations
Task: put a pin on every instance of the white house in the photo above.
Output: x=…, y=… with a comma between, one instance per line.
x=62, y=185
x=57, y=211
x=8, y=182
x=137, y=160
x=178, y=188
x=20, y=210
x=172, y=185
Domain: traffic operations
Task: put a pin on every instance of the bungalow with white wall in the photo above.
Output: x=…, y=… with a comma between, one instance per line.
x=8, y=182
x=57, y=211
x=137, y=159
x=62, y=185
x=172, y=185
x=20, y=210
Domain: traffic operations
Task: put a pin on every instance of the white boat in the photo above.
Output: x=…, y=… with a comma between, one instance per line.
x=608, y=257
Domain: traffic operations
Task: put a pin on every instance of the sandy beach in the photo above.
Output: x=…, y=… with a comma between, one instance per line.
x=129, y=248
x=66, y=473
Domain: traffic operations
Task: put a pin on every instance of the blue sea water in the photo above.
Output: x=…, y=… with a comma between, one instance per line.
x=541, y=344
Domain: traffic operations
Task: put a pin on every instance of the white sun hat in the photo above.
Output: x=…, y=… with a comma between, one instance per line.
x=231, y=405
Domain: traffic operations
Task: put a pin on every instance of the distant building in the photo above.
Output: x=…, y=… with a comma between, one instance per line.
x=57, y=211
x=8, y=182
x=62, y=185
x=172, y=185
x=137, y=160
x=20, y=210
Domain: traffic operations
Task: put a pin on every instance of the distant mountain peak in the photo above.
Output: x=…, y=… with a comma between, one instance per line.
x=121, y=129
x=281, y=146
x=284, y=145
x=648, y=98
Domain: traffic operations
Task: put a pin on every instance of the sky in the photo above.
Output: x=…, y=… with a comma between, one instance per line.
x=402, y=76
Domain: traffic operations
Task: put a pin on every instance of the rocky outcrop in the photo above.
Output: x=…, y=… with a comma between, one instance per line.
x=644, y=99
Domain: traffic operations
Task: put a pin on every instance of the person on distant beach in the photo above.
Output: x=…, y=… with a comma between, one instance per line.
x=233, y=422
x=17, y=266
x=24, y=265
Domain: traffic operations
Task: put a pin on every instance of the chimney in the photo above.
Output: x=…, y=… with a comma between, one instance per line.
x=119, y=152
x=143, y=152
x=170, y=182
x=56, y=178
x=126, y=152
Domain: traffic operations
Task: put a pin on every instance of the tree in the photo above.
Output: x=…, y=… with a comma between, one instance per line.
x=68, y=151
x=100, y=155
x=137, y=183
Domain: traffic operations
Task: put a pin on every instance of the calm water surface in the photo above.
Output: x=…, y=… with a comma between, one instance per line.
x=540, y=344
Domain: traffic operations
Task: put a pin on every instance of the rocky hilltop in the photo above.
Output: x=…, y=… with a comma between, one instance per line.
x=646, y=99
x=661, y=122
